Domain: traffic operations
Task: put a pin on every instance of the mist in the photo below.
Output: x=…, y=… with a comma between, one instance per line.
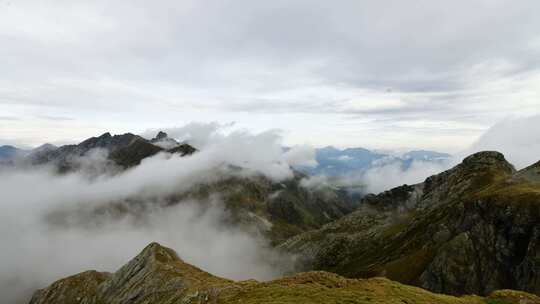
x=518, y=138
x=50, y=229
x=388, y=176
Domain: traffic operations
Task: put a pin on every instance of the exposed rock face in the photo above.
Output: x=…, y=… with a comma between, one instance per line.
x=471, y=229
x=160, y=136
x=183, y=150
x=158, y=276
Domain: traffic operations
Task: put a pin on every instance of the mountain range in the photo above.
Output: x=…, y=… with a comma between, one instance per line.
x=331, y=161
x=124, y=150
x=465, y=235
x=336, y=162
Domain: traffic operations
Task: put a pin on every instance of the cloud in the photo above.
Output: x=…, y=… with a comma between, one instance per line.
x=314, y=182
x=517, y=138
x=345, y=158
x=301, y=156
x=9, y=118
x=66, y=224
x=388, y=176
x=54, y=118
x=271, y=63
x=94, y=163
x=197, y=134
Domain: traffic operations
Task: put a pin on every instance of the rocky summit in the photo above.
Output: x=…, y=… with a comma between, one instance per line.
x=470, y=230
x=158, y=276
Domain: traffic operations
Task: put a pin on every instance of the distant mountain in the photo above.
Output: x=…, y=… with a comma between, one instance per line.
x=472, y=229
x=40, y=153
x=335, y=162
x=126, y=150
x=8, y=151
x=10, y=154
x=159, y=276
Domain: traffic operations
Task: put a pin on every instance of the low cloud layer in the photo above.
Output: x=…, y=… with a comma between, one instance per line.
x=49, y=227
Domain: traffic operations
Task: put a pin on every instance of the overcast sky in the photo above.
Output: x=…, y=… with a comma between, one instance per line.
x=378, y=74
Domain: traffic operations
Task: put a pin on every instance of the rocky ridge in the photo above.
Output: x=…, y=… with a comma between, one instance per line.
x=472, y=229
x=157, y=275
x=126, y=150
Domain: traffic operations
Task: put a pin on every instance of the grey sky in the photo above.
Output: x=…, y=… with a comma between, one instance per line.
x=380, y=74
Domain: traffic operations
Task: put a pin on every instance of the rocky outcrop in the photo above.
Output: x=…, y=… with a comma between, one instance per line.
x=183, y=150
x=158, y=276
x=471, y=229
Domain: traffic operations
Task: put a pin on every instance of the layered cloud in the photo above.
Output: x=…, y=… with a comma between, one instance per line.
x=378, y=73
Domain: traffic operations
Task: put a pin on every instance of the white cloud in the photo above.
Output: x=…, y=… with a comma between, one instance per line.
x=391, y=175
x=344, y=158
x=301, y=156
x=517, y=138
x=351, y=65
x=314, y=182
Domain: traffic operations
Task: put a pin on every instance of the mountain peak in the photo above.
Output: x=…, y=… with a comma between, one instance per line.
x=46, y=147
x=488, y=159
x=156, y=252
x=105, y=135
x=161, y=135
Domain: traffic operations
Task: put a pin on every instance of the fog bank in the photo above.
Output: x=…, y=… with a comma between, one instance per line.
x=49, y=228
